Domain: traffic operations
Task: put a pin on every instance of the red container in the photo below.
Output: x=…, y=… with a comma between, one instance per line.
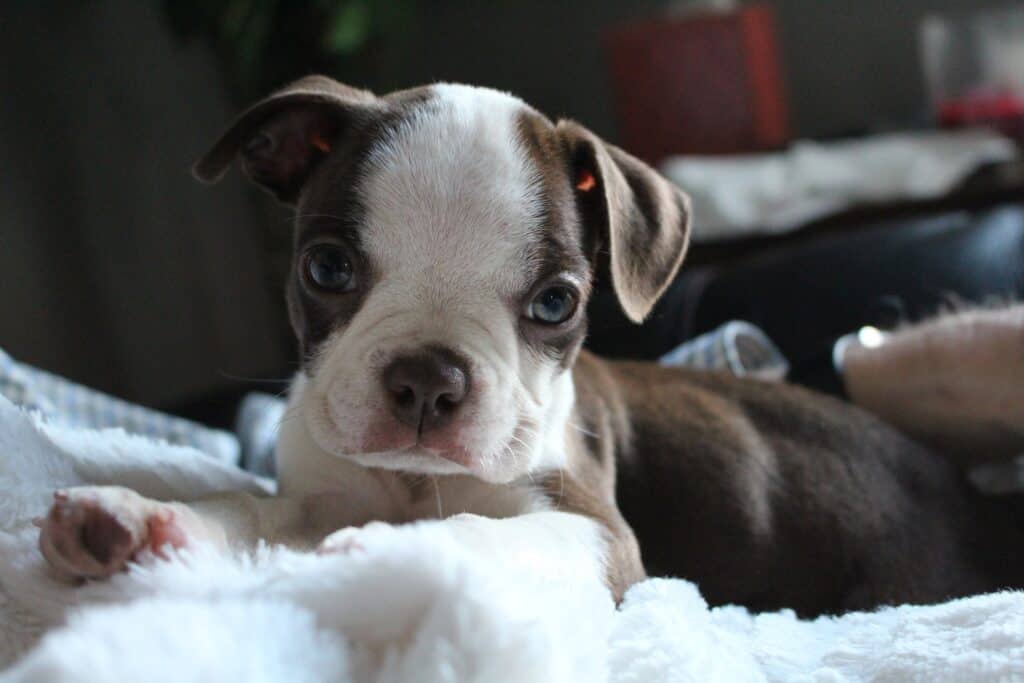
x=703, y=84
x=974, y=67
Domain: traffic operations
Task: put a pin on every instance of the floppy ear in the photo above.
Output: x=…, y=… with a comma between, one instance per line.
x=282, y=138
x=642, y=218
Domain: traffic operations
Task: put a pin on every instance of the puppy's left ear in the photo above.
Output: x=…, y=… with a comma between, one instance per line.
x=642, y=218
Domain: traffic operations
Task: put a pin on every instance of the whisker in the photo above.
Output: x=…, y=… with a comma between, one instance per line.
x=437, y=494
x=416, y=480
x=529, y=475
x=584, y=431
x=295, y=215
x=288, y=415
x=259, y=380
x=519, y=441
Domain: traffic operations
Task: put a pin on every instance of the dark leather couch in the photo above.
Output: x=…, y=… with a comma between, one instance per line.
x=806, y=294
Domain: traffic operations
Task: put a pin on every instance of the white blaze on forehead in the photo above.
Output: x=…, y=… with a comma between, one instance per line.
x=453, y=194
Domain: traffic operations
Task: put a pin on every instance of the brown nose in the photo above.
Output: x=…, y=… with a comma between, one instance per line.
x=425, y=389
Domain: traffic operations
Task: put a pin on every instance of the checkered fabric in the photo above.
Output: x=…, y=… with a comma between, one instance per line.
x=64, y=402
x=737, y=346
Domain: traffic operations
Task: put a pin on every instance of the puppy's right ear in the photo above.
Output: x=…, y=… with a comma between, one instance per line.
x=282, y=138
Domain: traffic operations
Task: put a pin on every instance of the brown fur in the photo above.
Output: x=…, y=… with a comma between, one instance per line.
x=770, y=496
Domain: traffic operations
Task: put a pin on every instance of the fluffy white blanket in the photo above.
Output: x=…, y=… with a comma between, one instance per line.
x=414, y=607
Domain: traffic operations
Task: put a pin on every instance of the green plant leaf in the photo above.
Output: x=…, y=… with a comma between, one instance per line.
x=349, y=27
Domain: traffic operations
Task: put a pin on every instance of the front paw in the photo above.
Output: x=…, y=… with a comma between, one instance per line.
x=351, y=539
x=94, y=531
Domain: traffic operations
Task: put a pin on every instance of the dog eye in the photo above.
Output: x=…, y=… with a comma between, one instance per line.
x=553, y=305
x=329, y=268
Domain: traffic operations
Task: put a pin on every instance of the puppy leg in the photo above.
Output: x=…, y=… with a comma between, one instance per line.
x=93, y=532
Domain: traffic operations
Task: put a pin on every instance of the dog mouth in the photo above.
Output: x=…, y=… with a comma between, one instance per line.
x=383, y=446
x=457, y=455
x=397, y=451
x=416, y=459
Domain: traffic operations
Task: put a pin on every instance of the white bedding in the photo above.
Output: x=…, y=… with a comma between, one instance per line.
x=414, y=607
x=740, y=196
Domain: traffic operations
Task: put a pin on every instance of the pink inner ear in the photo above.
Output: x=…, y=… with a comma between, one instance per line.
x=585, y=181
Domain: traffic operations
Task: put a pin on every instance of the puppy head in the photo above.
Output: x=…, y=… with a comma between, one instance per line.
x=445, y=242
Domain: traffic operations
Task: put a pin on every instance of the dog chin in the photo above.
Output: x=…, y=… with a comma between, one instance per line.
x=413, y=460
x=418, y=460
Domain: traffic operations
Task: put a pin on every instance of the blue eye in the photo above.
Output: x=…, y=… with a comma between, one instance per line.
x=553, y=305
x=329, y=268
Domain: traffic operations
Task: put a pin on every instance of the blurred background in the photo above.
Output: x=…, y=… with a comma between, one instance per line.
x=852, y=163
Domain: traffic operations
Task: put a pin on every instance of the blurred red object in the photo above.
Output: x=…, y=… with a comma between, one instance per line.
x=1001, y=111
x=973, y=63
x=704, y=84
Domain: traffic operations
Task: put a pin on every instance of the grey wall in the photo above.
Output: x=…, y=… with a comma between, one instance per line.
x=116, y=268
x=854, y=64
x=548, y=53
x=848, y=64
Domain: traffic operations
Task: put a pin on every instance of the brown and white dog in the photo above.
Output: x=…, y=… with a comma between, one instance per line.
x=446, y=241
